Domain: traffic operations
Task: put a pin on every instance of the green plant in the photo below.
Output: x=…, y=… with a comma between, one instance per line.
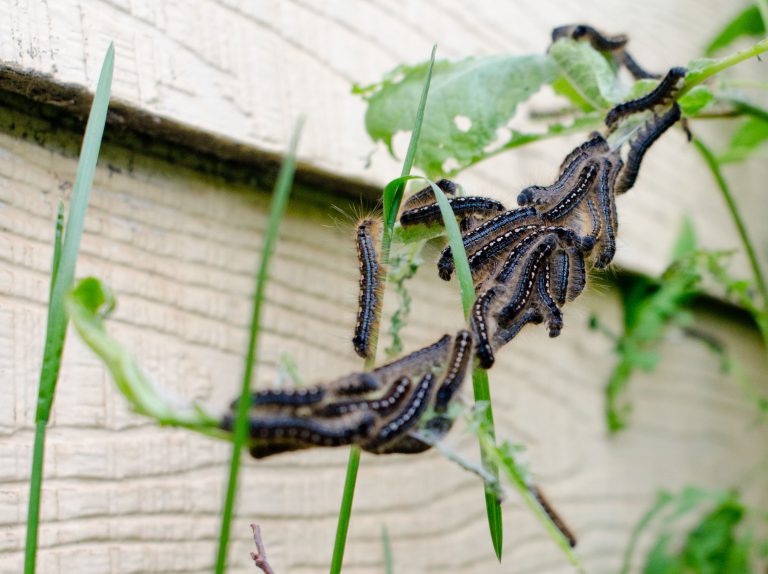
x=391, y=198
x=724, y=540
x=277, y=210
x=65, y=251
x=589, y=80
x=651, y=307
x=91, y=302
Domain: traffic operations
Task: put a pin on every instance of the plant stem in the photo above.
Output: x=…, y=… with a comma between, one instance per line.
x=708, y=67
x=35, y=488
x=391, y=207
x=738, y=221
x=277, y=209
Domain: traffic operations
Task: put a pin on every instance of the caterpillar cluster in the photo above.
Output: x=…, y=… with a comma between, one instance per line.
x=526, y=263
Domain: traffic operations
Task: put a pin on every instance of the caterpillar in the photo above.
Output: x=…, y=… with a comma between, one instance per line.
x=526, y=264
x=369, y=300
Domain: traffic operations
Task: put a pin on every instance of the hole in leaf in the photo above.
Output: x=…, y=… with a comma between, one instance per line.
x=463, y=123
x=450, y=165
x=503, y=135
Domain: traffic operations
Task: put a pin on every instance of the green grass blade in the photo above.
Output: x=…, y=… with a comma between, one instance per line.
x=391, y=198
x=386, y=543
x=277, y=209
x=492, y=455
x=480, y=385
x=57, y=238
x=63, y=272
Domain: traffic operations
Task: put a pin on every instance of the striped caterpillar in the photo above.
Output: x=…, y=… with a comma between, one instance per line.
x=369, y=301
x=526, y=263
x=613, y=46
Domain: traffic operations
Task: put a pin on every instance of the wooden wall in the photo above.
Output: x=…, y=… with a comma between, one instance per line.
x=179, y=248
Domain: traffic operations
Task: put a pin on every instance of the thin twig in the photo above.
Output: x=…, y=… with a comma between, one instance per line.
x=260, y=556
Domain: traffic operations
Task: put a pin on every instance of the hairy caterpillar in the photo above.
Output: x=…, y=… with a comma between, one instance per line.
x=526, y=264
x=369, y=301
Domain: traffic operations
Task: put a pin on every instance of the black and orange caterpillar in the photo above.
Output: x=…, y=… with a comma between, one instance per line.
x=526, y=263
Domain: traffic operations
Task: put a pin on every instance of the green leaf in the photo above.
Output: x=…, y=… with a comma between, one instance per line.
x=701, y=69
x=62, y=275
x=587, y=73
x=88, y=305
x=685, y=244
x=747, y=23
x=650, y=307
x=709, y=544
x=563, y=87
x=470, y=101
x=749, y=139
x=696, y=100
x=713, y=545
x=660, y=560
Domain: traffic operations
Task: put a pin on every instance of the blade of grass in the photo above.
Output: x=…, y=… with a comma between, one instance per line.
x=57, y=238
x=392, y=196
x=492, y=455
x=389, y=565
x=738, y=221
x=62, y=274
x=277, y=209
x=480, y=385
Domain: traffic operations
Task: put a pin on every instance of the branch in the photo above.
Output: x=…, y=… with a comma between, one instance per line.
x=260, y=556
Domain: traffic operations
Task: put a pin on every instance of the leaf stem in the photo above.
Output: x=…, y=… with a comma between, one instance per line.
x=738, y=221
x=761, y=317
x=707, y=67
x=277, y=209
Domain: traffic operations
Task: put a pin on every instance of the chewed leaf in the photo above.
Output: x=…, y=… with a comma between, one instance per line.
x=88, y=305
x=469, y=101
x=586, y=72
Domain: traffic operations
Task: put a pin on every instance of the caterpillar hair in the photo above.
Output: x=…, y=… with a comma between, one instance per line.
x=369, y=300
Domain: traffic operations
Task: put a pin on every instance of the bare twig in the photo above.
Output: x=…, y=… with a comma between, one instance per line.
x=260, y=556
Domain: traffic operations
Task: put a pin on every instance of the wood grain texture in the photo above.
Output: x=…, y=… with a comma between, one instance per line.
x=123, y=496
x=179, y=249
x=246, y=70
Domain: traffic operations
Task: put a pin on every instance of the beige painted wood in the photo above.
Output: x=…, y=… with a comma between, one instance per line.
x=124, y=496
x=247, y=69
